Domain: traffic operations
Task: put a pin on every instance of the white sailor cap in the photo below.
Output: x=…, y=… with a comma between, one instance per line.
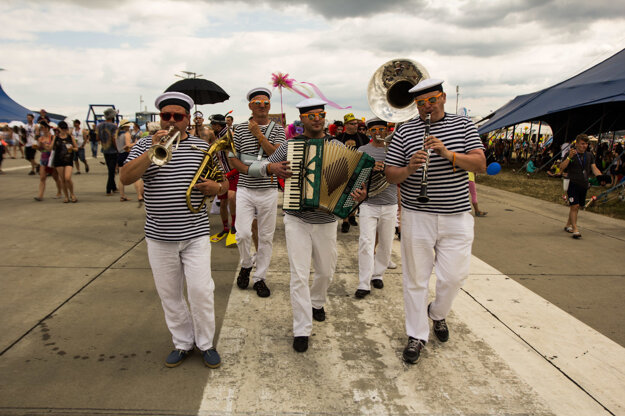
x=258, y=91
x=426, y=86
x=174, y=98
x=310, y=104
x=374, y=121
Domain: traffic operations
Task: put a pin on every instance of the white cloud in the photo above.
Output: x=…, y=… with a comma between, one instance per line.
x=64, y=55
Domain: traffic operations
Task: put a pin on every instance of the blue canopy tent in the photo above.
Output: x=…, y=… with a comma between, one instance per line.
x=10, y=110
x=590, y=102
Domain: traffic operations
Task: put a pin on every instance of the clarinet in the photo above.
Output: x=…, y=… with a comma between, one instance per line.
x=423, y=194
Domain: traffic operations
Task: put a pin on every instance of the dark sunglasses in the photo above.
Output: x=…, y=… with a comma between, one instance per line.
x=177, y=116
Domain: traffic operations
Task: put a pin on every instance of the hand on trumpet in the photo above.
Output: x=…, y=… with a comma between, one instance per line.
x=210, y=187
x=157, y=137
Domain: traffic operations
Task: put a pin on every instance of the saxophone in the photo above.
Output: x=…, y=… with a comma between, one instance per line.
x=209, y=168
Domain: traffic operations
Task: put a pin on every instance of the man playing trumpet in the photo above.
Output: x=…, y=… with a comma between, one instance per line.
x=178, y=240
x=437, y=234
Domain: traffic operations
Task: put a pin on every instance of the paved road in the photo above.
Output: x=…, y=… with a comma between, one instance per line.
x=83, y=331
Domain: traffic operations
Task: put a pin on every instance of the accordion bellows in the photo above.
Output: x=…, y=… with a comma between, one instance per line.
x=324, y=174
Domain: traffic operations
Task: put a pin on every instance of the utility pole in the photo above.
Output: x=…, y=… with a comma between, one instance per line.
x=140, y=102
x=457, y=96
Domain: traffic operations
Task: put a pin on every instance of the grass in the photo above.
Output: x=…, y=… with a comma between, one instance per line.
x=541, y=186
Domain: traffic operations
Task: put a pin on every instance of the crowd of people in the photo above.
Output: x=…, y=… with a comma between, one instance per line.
x=439, y=234
x=253, y=158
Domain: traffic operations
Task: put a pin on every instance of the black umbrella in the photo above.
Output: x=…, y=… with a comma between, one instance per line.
x=201, y=90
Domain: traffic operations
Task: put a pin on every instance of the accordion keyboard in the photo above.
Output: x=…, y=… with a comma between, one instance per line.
x=293, y=185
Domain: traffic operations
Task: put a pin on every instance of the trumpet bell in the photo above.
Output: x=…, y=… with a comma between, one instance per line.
x=388, y=94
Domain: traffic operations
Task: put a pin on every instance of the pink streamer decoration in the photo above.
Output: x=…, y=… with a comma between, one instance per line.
x=320, y=94
x=280, y=81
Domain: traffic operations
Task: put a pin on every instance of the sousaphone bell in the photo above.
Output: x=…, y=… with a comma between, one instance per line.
x=390, y=101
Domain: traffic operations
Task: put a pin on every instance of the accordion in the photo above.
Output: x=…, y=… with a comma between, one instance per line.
x=324, y=175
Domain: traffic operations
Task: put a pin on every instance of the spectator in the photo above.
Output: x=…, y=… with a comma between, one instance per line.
x=107, y=133
x=31, y=143
x=123, y=144
x=44, y=144
x=79, y=137
x=64, y=147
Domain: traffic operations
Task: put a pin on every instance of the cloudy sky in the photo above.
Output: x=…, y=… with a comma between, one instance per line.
x=63, y=55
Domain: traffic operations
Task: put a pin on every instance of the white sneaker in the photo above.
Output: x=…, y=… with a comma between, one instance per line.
x=391, y=264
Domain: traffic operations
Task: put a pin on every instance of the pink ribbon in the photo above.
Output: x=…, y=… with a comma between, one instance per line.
x=280, y=81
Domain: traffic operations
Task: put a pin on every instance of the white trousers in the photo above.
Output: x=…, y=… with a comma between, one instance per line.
x=305, y=243
x=442, y=242
x=262, y=204
x=375, y=220
x=172, y=264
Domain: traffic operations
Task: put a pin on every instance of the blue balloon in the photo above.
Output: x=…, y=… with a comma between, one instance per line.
x=493, y=169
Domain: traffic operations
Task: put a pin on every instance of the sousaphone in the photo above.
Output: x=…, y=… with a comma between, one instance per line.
x=390, y=101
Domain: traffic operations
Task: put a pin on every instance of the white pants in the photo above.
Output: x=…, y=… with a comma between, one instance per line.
x=306, y=242
x=262, y=204
x=427, y=241
x=375, y=220
x=172, y=264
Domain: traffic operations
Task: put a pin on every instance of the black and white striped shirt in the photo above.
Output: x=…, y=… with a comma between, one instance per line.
x=167, y=216
x=245, y=142
x=389, y=195
x=448, y=190
x=310, y=217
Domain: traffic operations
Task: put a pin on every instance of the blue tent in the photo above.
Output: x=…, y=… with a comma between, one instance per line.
x=10, y=110
x=590, y=102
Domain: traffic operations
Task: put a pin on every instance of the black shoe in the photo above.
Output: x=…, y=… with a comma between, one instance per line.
x=413, y=350
x=361, y=293
x=377, y=283
x=32, y=172
x=261, y=289
x=300, y=344
x=345, y=227
x=319, y=315
x=440, y=328
x=87, y=168
x=243, y=280
x=352, y=221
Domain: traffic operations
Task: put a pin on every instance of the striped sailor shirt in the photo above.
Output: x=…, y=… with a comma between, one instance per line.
x=448, y=190
x=167, y=216
x=245, y=142
x=310, y=217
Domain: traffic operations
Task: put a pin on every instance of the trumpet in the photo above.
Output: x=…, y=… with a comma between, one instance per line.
x=423, y=194
x=160, y=153
x=209, y=168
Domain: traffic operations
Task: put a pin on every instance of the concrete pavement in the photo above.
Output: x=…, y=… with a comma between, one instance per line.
x=83, y=330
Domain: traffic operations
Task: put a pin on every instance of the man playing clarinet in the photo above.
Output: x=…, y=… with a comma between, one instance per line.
x=439, y=233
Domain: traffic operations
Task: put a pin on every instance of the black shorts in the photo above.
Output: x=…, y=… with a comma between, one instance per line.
x=576, y=194
x=121, y=158
x=29, y=153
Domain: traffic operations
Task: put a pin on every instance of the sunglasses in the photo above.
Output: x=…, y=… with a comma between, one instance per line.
x=431, y=100
x=313, y=116
x=259, y=102
x=177, y=116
